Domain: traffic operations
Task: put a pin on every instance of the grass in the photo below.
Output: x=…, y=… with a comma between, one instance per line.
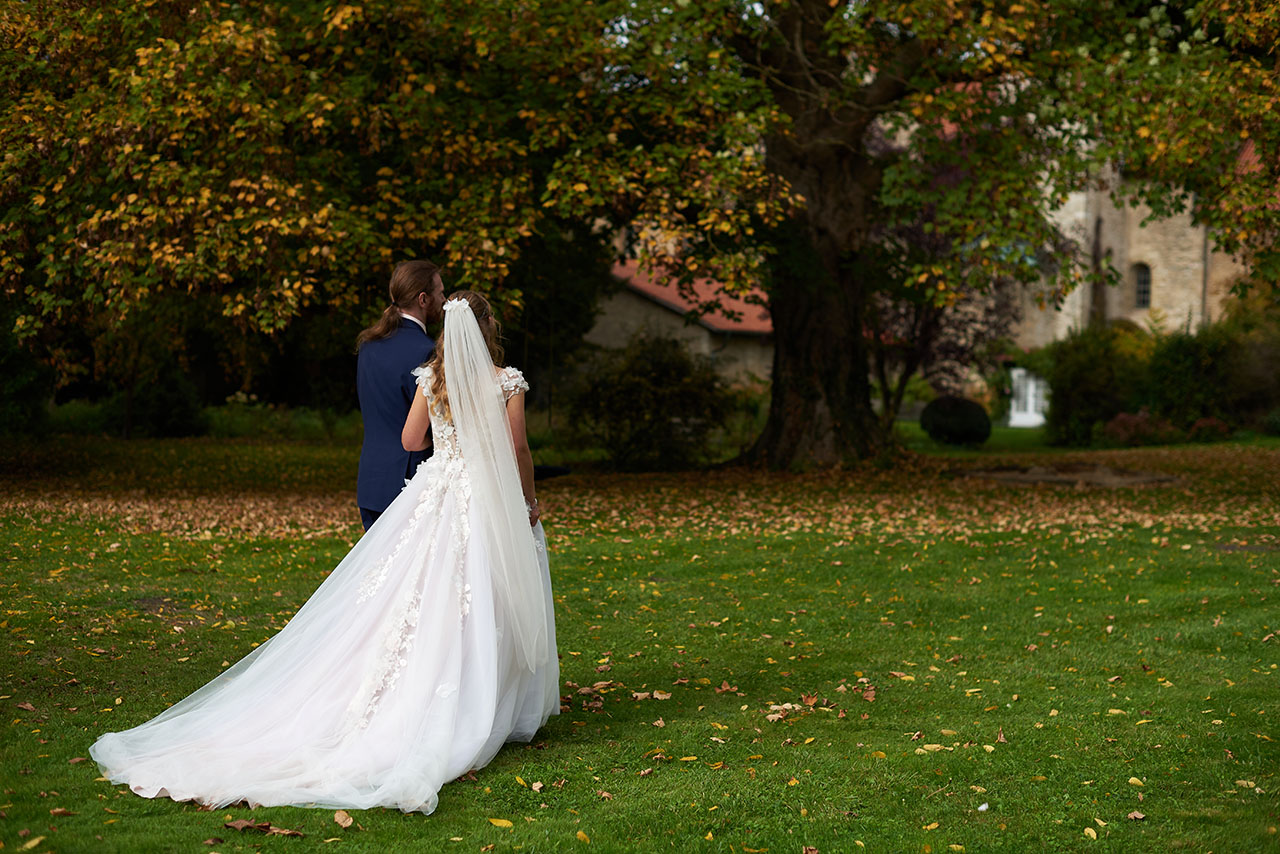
x=851, y=657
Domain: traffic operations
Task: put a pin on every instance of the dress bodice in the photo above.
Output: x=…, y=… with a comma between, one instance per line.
x=444, y=437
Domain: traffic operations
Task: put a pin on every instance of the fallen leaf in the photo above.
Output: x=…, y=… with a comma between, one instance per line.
x=604, y=796
x=30, y=708
x=77, y=759
x=1136, y=816
x=499, y=822
x=536, y=787
x=60, y=811
x=343, y=818
x=1134, y=781
x=582, y=837
x=1000, y=739
x=1091, y=833
x=659, y=723
x=212, y=840
x=31, y=843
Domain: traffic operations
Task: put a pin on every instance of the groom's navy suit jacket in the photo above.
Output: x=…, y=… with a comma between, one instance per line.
x=386, y=386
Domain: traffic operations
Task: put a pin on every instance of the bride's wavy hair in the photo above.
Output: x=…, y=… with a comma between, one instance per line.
x=490, y=328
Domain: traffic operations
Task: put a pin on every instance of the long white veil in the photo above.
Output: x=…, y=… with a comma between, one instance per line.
x=484, y=437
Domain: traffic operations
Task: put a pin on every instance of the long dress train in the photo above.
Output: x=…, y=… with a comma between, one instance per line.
x=395, y=677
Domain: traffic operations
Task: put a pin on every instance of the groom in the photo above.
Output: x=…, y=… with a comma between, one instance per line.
x=388, y=352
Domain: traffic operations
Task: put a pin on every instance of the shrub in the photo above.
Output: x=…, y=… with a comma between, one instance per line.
x=1132, y=430
x=1209, y=429
x=242, y=416
x=651, y=405
x=168, y=406
x=1094, y=374
x=1271, y=422
x=26, y=384
x=1193, y=376
x=956, y=421
x=79, y=418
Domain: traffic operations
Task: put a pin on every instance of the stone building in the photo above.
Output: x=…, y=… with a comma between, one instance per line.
x=1169, y=271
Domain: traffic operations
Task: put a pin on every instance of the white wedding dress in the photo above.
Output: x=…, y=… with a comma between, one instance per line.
x=401, y=673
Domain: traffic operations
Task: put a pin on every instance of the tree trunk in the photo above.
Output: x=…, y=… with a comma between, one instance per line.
x=820, y=412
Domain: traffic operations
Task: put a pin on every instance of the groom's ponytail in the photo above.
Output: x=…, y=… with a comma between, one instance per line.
x=409, y=279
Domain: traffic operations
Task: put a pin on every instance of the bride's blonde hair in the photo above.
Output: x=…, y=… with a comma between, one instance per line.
x=489, y=328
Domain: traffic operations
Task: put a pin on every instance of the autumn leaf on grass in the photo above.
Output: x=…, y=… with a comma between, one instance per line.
x=605, y=796
x=499, y=822
x=725, y=687
x=60, y=811
x=266, y=827
x=1135, y=816
x=212, y=840
x=343, y=819
x=582, y=837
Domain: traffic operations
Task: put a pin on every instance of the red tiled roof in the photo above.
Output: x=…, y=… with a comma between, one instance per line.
x=753, y=319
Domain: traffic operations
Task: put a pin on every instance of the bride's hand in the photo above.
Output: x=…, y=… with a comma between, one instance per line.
x=534, y=513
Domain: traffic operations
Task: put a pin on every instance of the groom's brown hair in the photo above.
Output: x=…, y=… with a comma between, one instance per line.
x=408, y=279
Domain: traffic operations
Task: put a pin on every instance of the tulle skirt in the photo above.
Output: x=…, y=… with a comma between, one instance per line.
x=393, y=679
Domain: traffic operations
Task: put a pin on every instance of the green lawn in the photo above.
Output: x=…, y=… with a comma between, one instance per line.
x=913, y=660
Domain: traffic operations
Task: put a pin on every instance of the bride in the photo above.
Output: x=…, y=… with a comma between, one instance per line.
x=429, y=646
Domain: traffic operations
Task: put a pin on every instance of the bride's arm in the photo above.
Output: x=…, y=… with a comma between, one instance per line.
x=524, y=458
x=414, y=435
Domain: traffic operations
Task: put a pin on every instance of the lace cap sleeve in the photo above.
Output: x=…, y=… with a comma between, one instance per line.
x=423, y=374
x=512, y=382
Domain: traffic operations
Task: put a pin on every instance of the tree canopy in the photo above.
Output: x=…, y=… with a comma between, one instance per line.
x=256, y=160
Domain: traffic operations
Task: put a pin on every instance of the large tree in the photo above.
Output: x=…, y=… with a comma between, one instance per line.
x=977, y=119
x=263, y=158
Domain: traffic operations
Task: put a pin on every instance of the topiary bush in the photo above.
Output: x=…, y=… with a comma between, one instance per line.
x=956, y=421
x=651, y=406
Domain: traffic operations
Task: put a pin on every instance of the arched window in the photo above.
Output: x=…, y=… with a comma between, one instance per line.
x=1142, y=286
